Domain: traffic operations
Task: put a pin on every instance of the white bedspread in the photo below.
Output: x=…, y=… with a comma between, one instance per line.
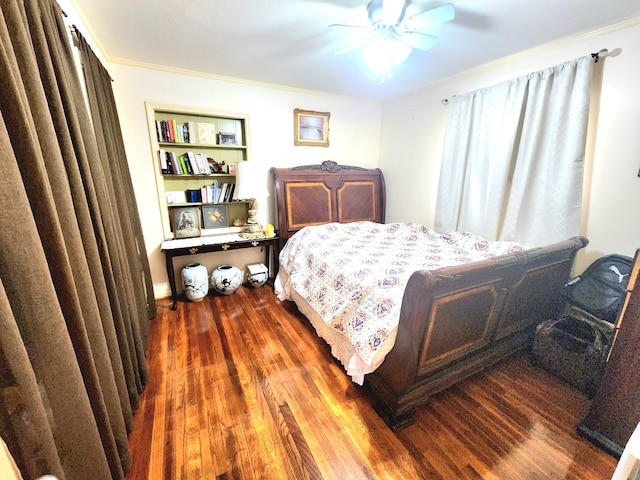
x=353, y=277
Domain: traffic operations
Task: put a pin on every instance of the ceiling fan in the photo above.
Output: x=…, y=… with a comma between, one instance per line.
x=394, y=29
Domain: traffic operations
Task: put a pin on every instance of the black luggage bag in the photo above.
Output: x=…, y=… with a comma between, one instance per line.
x=575, y=346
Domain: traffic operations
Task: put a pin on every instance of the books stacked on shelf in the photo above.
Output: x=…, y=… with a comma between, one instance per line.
x=189, y=163
x=218, y=193
x=170, y=131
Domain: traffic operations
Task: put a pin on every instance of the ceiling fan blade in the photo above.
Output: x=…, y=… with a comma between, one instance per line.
x=348, y=26
x=418, y=40
x=437, y=15
x=393, y=11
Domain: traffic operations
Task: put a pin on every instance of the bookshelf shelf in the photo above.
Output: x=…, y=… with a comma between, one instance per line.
x=202, y=145
x=186, y=145
x=197, y=175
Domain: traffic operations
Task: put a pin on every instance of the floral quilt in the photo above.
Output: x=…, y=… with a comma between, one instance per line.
x=353, y=275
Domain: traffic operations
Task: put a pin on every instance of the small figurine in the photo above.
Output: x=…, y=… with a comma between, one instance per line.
x=215, y=166
x=269, y=231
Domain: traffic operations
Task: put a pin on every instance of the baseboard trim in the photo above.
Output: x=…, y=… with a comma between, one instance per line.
x=609, y=446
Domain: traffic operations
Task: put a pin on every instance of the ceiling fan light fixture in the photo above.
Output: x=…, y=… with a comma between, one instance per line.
x=392, y=35
x=383, y=54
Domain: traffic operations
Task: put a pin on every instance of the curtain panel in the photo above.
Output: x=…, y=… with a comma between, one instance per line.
x=73, y=310
x=114, y=202
x=513, y=157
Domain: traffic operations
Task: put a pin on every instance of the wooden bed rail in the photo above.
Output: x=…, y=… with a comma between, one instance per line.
x=457, y=320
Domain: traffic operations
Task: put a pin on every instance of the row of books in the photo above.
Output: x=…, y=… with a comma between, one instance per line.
x=218, y=192
x=170, y=131
x=189, y=163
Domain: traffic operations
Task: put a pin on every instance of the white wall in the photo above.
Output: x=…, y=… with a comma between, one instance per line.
x=413, y=127
x=354, y=139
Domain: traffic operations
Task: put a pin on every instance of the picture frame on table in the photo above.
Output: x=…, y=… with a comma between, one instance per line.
x=226, y=138
x=215, y=216
x=310, y=128
x=185, y=222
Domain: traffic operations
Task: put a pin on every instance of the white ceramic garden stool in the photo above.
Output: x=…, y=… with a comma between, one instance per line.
x=195, y=281
x=226, y=279
x=257, y=275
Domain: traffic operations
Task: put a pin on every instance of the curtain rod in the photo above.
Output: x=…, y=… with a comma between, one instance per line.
x=601, y=54
x=74, y=34
x=596, y=56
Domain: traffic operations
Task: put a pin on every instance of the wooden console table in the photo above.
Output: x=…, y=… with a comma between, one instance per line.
x=211, y=243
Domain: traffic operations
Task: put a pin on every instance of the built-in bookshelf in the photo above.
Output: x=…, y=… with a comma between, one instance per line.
x=195, y=155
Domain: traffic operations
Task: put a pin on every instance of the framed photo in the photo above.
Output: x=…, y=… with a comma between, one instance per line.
x=227, y=138
x=215, y=216
x=311, y=128
x=185, y=222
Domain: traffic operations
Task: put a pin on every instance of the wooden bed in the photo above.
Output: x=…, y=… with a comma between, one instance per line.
x=454, y=321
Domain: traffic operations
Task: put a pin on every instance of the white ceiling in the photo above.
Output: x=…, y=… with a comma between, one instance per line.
x=289, y=42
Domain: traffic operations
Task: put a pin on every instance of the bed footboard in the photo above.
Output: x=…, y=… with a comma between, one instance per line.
x=456, y=321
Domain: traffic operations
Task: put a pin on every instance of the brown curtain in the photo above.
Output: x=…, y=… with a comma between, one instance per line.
x=73, y=304
x=112, y=155
x=116, y=201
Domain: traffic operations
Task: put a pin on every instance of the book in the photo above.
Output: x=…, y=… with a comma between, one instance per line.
x=170, y=132
x=159, y=130
x=187, y=162
x=204, y=163
x=183, y=165
x=227, y=194
x=163, y=161
x=177, y=170
x=223, y=191
x=195, y=166
x=174, y=131
x=215, y=191
x=170, y=168
x=165, y=131
x=207, y=133
x=193, y=132
x=167, y=159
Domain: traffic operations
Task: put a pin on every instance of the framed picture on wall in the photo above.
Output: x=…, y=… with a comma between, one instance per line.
x=185, y=222
x=215, y=216
x=311, y=128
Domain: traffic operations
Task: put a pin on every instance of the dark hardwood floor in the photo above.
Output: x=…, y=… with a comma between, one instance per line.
x=241, y=387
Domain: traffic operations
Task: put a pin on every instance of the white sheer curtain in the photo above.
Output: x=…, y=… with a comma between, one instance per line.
x=513, y=157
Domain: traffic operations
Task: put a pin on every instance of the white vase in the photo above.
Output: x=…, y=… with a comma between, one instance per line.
x=258, y=278
x=195, y=281
x=226, y=279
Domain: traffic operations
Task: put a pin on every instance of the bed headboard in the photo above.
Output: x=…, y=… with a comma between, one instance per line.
x=325, y=193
